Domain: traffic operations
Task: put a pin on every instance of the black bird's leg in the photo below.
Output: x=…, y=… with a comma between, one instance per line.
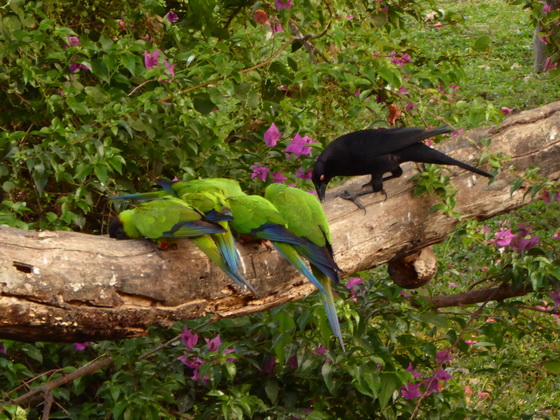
x=376, y=183
x=354, y=197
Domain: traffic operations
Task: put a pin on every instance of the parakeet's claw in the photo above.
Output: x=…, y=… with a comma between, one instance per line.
x=268, y=245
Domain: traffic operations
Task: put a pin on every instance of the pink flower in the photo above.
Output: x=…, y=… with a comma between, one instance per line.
x=525, y=244
x=151, y=60
x=320, y=350
x=557, y=235
x=229, y=359
x=74, y=66
x=172, y=16
x=354, y=281
x=81, y=346
x=409, y=107
x=443, y=356
x=483, y=395
x=399, y=61
x=555, y=296
x=194, y=364
x=432, y=384
x=402, y=90
x=298, y=145
x=272, y=135
x=278, y=177
x=546, y=8
x=260, y=172
x=548, y=65
x=442, y=375
x=415, y=374
x=451, y=284
x=275, y=28
x=549, y=196
x=268, y=367
x=304, y=173
x=213, y=344
x=506, y=110
x=283, y=4
x=170, y=68
x=438, y=25
x=411, y=391
x=292, y=362
x=122, y=25
x=504, y=238
x=189, y=339
x=73, y=40
x=471, y=342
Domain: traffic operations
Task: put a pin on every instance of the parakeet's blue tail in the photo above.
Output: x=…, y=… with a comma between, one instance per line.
x=192, y=229
x=288, y=252
x=321, y=258
x=207, y=245
x=141, y=196
x=328, y=303
x=277, y=233
x=226, y=245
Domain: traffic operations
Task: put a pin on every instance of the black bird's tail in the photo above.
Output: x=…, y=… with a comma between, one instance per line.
x=425, y=154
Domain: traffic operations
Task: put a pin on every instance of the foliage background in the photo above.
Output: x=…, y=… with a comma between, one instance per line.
x=85, y=114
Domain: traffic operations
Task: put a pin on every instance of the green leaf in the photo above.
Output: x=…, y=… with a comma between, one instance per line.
x=203, y=104
x=482, y=43
x=552, y=367
x=388, y=386
x=271, y=389
x=326, y=372
x=100, y=172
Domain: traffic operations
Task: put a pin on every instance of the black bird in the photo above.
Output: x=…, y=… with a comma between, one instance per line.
x=376, y=152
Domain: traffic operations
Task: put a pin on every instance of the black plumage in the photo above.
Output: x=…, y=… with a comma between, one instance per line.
x=377, y=152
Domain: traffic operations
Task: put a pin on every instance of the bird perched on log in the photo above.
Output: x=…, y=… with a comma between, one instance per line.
x=376, y=152
x=168, y=218
x=305, y=217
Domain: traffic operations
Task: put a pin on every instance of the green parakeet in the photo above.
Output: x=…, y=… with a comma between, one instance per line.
x=171, y=217
x=256, y=217
x=305, y=217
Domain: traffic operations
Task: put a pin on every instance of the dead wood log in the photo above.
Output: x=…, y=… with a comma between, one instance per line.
x=64, y=286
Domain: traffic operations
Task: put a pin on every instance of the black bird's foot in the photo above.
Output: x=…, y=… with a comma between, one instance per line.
x=353, y=198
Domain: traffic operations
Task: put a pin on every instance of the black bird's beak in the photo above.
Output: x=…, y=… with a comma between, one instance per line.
x=321, y=189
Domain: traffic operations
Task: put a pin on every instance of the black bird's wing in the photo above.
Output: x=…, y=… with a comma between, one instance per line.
x=425, y=154
x=381, y=142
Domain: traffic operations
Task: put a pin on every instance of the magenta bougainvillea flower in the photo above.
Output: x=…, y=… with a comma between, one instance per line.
x=151, y=59
x=272, y=135
x=298, y=146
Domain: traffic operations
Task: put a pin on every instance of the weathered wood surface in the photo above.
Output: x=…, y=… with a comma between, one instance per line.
x=64, y=286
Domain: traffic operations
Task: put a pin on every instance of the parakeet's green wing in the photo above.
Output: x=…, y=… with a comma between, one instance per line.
x=223, y=186
x=155, y=218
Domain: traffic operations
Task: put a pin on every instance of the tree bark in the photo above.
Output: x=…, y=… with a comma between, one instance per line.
x=66, y=286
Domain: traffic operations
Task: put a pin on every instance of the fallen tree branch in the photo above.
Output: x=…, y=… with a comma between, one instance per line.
x=66, y=286
x=469, y=298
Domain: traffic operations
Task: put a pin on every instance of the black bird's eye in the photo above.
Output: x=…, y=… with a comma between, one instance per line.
x=322, y=177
